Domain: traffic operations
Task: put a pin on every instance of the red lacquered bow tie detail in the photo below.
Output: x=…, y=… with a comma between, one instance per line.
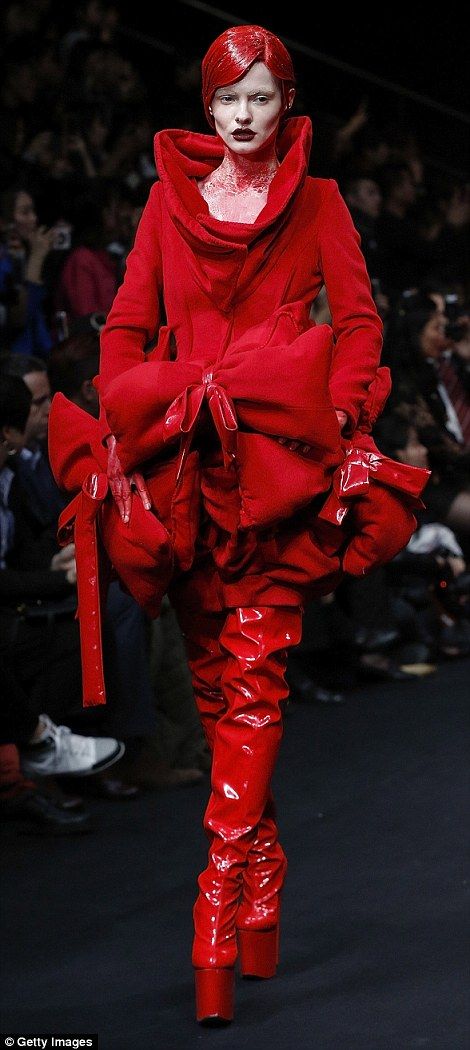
x=352, y=478
x=182, y=415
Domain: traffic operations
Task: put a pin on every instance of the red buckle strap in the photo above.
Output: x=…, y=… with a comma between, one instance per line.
x=78, y=521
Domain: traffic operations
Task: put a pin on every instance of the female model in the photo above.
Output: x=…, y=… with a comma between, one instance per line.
x=232, y=429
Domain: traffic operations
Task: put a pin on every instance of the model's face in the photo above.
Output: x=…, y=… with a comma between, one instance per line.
x=247, y=113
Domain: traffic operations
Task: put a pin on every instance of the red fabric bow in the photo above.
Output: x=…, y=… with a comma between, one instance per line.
x=183, y=413
x=140, y=553
x=379, y=495
x=272, y=381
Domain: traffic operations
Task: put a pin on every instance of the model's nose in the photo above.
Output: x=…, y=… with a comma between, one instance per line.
x=243, y=116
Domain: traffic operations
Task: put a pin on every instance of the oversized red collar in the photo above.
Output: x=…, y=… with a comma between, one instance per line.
x=183, y=156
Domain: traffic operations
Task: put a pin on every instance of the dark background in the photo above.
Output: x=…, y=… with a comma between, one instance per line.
x=423, y=53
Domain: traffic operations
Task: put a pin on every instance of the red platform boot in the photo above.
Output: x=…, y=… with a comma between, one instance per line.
x=263, y=878
x=258, y=917
x=246, y=741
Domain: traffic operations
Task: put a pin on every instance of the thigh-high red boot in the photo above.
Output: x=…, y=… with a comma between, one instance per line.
x=263, y=879
x=246, y=742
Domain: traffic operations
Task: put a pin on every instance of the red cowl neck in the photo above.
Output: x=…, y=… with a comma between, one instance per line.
x=183, y=156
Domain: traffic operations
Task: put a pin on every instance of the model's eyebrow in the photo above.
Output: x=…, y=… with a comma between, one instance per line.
x=232, y=91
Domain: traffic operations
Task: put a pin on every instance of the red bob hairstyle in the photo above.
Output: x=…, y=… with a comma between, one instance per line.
x=234, y=51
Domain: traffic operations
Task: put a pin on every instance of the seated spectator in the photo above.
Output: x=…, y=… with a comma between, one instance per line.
x=426, y=361
x=370, y=149
x=157, y=719
x=32, y=464
x=91, y=273
x=431, y=572
x=420, y=355
x=363, y=196
x=398, y=242
x=39, y=647
x=22, y=256
x=93, y=21
x=72, y=368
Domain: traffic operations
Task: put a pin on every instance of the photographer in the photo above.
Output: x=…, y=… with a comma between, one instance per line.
x=26, y=246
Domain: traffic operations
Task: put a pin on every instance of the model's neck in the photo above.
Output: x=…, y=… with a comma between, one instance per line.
x=245, y=171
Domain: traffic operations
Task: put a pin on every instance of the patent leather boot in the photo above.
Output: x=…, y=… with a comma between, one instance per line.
x=246, y=742
x=263, y=879
x=258, y=917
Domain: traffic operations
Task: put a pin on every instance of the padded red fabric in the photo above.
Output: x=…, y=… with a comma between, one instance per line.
x=238, y=347
x=382, y=524
x=140, y=552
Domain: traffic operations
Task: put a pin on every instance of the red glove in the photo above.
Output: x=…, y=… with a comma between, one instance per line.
x=121, y=486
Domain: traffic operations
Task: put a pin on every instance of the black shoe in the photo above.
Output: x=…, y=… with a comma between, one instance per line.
x=46, y=816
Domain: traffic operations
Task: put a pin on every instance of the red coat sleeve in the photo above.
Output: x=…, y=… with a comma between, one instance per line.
x=134, y=317
x=357, y=327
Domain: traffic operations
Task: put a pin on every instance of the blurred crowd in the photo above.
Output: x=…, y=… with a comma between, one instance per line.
x=76, y=128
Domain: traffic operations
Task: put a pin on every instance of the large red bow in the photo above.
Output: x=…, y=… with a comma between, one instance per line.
x=182, y=415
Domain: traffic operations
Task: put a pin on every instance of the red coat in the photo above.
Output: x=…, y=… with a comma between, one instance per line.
x=212, y=281
x=234, y=364
x=217, y=282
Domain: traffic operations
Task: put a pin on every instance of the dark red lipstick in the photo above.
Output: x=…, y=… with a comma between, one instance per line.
x=243, y=135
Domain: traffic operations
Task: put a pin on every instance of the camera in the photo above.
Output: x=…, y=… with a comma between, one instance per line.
x=62, y=239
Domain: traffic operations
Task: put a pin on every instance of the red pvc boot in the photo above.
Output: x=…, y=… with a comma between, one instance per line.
x=263, y=878
x=258, y=917
x=245, y=746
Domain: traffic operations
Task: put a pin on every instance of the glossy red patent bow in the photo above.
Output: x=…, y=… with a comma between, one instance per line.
x=181, y=417
x=352, y=478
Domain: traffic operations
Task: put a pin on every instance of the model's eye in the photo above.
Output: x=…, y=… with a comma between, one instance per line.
x=261, y=98
x=225, y=98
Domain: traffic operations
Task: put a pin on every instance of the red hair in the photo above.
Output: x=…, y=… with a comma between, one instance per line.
x=234, y=51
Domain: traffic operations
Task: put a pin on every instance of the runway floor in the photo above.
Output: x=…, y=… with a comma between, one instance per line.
x=97, y=929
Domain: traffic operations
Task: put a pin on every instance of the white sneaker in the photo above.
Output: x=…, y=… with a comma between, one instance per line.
x=64, y=752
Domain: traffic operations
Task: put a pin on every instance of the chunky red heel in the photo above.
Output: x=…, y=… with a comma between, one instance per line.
x=214, y=995
x=258, y=952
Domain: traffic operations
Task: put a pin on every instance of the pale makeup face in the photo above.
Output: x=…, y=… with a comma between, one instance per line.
x=251, y=105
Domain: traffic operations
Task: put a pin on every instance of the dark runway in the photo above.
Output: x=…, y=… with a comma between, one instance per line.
x=371, y=797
